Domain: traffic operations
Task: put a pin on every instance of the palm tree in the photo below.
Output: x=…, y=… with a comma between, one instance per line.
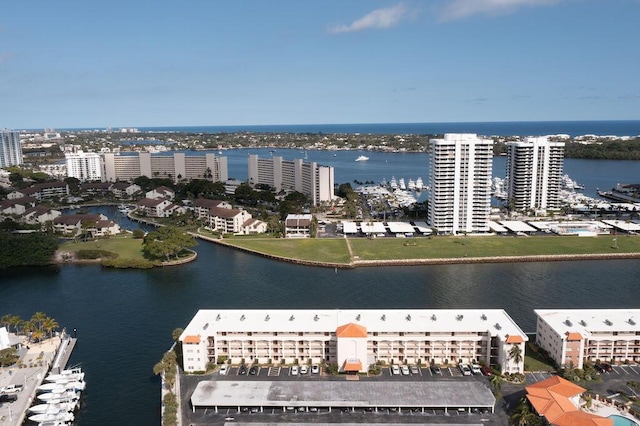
x=38, y=318
x=49, y=324
x=6, y=320
x=515, y=353
x=496, y=382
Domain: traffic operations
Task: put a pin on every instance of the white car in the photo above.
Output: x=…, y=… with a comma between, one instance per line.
x=223, y=370
x=395, y=369
x=304, y=369
x=315, y=369
x=464, y=369
x=475, y=369
x=405, y=370
x=294, y=370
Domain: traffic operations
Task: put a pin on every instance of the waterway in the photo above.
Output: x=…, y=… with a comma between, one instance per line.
x=124, y=319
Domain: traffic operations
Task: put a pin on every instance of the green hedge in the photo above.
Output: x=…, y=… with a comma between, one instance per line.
x=96, y=254
x=127, y=263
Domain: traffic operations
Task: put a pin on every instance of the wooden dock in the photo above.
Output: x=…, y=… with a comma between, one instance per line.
x=62, y=356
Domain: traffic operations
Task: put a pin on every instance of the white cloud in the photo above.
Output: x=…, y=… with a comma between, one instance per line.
x=460, y=9
x=379, y=18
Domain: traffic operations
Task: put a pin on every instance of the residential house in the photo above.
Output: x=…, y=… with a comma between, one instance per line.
x=153, y=207
x=298, y=226
x=161, y=192
x=558, y=400
x=17, y=206
x=96, y=225
x=40, y=214
x=95, y=188
x=42, y=191
x=124, y=190
x=227, y=221
x=254, y=226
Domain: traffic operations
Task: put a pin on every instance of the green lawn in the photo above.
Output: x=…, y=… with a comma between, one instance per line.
x=460, y=247
x=318, y=250
x=125, y=246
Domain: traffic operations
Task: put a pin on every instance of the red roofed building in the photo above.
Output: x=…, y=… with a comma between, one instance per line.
x=558, y=400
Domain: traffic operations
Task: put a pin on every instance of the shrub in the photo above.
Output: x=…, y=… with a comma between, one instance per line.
x=95, y=254
x=127, y=263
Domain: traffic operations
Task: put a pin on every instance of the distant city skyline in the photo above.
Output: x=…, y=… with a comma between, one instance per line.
x=142, y=64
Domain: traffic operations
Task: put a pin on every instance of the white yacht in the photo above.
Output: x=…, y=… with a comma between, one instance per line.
x=419, y=184
x=62, y=387
x=362, y=158
x=393, y=184
x=43, y=417
x=401, y=184
x=52, y=408
x=411, y=185
x=50, y=396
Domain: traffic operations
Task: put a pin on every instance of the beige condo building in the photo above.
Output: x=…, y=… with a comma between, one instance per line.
x=354, y=339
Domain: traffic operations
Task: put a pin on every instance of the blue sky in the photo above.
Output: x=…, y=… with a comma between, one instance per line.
x=203, y=62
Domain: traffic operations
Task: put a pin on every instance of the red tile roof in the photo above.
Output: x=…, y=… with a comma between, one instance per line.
x=351, y=330
x=352, y=365
x=514, y=339
x=192, y=339
x=571, y=337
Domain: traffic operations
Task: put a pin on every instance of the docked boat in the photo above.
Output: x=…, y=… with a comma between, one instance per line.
x=393, y=184
x=362, y=158
x=419, y=184
x=52, y=408
x=411, y=185
x=69, y=395
x=62, y=387
x=43, y=417
x=401, y=184
x=570, y=184
x=64, y=378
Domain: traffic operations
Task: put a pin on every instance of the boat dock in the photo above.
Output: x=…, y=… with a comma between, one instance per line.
x=64, y=353
x=36, y=360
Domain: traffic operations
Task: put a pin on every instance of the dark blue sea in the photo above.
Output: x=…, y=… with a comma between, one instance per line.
x=497, y=128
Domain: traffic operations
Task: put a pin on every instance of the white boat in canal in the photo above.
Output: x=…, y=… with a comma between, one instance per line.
x=401, y=184
x=362, y=158
x=52, y=408
x=69, y=395
x=64, y=378
x=40, y=418
x=419, y=184
x=62, y=387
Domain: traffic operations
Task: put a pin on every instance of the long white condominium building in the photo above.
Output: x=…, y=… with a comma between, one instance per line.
x=354, y=339
x=573, y=336
x=460, y=181
x=10, y=148
x=177, y=166
x=534, y=173
x=84, y=165
x=309, y=178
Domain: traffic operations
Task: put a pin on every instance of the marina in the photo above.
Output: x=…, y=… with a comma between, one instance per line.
x=45, y=397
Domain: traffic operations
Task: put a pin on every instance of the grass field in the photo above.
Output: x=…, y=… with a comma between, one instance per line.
x=335, y=250
x=317, y=250
x=460, y=247
x=124, y=245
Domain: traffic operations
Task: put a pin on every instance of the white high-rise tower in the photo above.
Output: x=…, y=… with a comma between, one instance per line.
x=10, y=148
x=460, y=181
x=534, y=173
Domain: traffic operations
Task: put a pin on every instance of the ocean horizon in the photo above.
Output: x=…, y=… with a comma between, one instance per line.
x=619, y=128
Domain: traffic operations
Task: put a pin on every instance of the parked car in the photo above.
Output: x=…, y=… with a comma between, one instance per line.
x=8, y=397
x=486, y=370
x=11, y=389
x=464, y=369
x=304, y=369
x=475, y=369
x=603, y=366
x=224, y=369
x=315, y=369
x=435, y=369
x=395, y=369
x=242, y=370
x=294, y=370
x=405, y=370
x=253, y=370
x=415, y=369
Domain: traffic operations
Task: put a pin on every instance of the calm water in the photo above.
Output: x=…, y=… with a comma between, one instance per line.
x=502, y=128
x=125, y=318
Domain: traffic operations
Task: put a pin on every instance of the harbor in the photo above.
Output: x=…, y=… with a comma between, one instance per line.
x=38, y=387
